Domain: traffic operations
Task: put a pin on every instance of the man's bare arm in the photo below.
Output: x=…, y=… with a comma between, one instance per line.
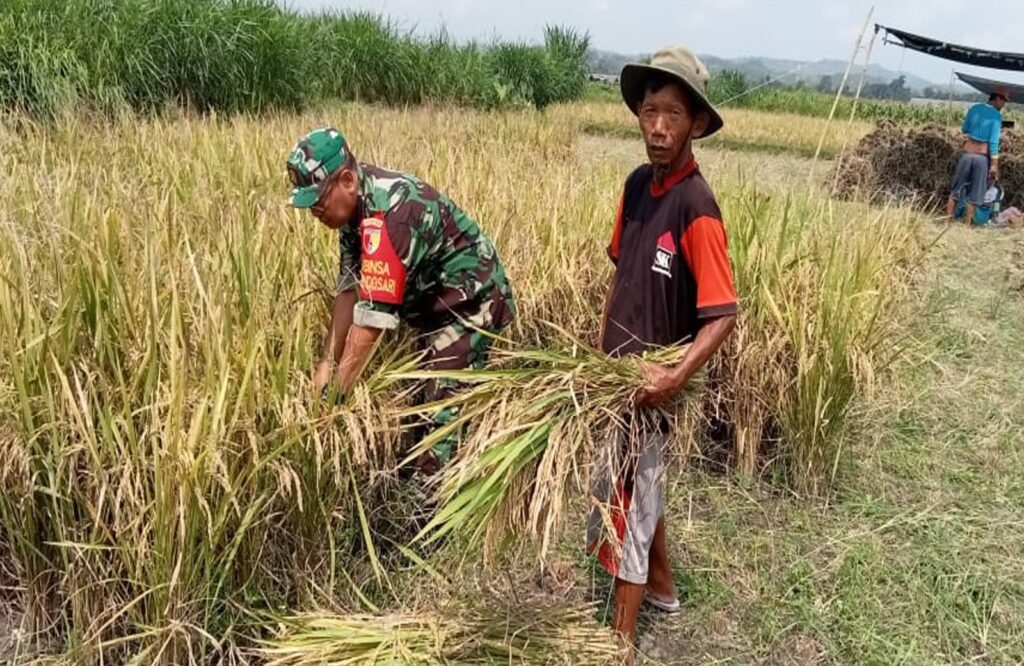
x=708, y=341
x=358, y=347
x=337, y=330
x=334, y=339
x=664, y=383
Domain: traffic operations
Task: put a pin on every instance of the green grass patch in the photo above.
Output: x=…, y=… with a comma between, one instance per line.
x=602, y=93
x=732, y=90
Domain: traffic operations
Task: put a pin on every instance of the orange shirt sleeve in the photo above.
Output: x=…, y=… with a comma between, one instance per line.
x=705, y=249
x=613, y=247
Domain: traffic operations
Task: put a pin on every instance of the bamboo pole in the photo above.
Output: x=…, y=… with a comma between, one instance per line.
x=952, y=82
x=839, y=94
x=853, y=109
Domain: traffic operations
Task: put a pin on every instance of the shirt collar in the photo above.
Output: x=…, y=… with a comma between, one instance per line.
x=674, y=178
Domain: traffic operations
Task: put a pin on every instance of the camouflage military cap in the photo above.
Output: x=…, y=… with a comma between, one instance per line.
x=314, y=157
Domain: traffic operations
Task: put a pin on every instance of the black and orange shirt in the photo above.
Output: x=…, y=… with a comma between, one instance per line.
x=672, y=269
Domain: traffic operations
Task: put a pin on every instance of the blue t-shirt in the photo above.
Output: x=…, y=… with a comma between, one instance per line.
x=984, y=123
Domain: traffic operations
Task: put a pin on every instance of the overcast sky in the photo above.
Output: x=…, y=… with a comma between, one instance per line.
x=797, y=29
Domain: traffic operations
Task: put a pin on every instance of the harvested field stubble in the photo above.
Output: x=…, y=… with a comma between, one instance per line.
x=907, y=163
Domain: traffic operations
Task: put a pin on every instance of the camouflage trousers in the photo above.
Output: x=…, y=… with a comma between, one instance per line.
x=464, y=343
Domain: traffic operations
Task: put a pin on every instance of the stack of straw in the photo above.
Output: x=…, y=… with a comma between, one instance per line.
x=534, y=634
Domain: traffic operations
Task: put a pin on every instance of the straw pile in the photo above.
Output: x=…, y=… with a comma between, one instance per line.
x=917, y=164
x=488, y=633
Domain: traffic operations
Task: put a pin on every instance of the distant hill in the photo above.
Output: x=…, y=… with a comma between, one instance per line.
x=758, y=69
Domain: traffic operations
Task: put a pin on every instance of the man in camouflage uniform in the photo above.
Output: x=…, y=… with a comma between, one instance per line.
x=407, y=253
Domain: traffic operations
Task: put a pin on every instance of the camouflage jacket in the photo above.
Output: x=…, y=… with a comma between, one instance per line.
x=415, y=255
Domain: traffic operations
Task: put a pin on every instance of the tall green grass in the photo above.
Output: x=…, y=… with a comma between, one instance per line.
x=734, y=88
x=251, y=55
x=731, y=90
x=807, y=102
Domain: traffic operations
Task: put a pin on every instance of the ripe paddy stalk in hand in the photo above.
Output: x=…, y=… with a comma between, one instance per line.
x=528, y=427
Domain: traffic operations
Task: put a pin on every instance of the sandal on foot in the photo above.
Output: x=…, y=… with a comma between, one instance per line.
x=671, y=606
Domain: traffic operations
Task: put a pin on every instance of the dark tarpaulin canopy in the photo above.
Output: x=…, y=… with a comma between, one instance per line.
x=965, y=54
x=987, y=86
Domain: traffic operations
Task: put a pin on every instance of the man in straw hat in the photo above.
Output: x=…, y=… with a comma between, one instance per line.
x=979, y=161
x=406, y=253
x=672, y=285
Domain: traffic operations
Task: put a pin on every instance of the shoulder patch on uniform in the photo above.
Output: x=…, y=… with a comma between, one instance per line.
x=371, y=237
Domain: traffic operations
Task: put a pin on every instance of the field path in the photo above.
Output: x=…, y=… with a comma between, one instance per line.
x=918, y=558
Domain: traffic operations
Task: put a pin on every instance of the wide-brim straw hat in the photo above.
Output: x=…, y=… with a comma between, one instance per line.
x=683, y=65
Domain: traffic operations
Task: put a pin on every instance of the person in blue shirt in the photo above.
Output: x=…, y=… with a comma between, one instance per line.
x=980, y=158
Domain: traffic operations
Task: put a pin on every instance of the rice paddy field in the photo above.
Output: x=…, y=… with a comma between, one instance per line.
x=846, y=485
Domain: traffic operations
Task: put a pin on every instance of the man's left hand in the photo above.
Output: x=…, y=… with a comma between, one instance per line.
x=332, y=395
x=660, y=386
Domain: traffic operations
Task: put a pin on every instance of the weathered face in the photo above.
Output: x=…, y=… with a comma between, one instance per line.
x=337, y=205
x=669, y=125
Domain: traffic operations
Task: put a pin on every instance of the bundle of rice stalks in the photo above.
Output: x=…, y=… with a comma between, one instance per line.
x=535, y=634
x=529, y=427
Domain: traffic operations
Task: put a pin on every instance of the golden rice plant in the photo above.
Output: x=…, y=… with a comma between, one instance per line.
x=165, y=467
x=165, y=473
x=820, y=285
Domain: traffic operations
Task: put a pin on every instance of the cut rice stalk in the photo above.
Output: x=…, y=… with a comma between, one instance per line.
x=528, y=428
x=479, y=634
